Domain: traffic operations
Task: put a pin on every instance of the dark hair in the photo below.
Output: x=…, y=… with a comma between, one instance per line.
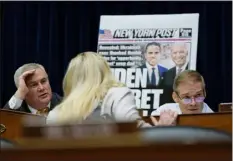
x=152, y=44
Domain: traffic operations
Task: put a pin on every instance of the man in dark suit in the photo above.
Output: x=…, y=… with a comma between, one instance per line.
x=34, y=94
x=152, y=55
x=179, y=54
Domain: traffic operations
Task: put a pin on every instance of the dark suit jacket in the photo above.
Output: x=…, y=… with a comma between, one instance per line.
x=161, y=69
x=167, y=85
x=56, y=99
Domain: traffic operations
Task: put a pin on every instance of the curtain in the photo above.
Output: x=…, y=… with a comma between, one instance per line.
x=51, y=33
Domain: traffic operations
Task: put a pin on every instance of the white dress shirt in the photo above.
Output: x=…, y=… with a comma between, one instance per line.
x=175, y=107
x=15, y=103
x=182, y=68
x=156, y=70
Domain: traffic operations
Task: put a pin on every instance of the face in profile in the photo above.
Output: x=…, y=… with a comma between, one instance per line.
x=40, y=92
x=152, y=55
x=179, y=54
x=190, y=96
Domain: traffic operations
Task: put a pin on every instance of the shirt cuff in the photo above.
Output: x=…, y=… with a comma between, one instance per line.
x=15, y=103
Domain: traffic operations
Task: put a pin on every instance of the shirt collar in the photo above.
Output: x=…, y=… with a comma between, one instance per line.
x=182, y=68
x=33, y=110
x=150, y=67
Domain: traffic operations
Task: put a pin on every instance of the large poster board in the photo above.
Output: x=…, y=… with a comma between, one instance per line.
x=147, y=51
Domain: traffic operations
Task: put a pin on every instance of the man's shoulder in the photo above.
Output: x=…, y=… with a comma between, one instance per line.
x=142, y=66
x=171, y=71
x=207, y=109
x=161, y=68
x=56, y=96
x=56, y=99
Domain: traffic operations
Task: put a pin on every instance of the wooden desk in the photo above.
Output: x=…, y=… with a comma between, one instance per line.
x=124, y=150
x=221, y=121
x=33, y=126
x=119, y=147
x=12, y=120
x=225, y=107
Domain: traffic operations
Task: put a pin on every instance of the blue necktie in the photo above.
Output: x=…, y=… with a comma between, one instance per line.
x=153, y=79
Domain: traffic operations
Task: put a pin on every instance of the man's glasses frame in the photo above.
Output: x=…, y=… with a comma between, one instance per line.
x=198, y=99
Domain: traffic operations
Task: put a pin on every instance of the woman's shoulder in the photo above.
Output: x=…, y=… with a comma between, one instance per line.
x=119, y=90
x=52, y=116
x=116, y=94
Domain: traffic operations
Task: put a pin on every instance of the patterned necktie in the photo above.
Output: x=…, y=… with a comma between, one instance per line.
x=43, y=111
x=153, y=79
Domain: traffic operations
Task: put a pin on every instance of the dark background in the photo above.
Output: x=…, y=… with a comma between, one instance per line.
x=51, y=33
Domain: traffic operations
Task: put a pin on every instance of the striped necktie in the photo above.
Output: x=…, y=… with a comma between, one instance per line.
x=43, y=111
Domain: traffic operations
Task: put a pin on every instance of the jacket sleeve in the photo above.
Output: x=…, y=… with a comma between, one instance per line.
x=13, y=104
x=120, y=103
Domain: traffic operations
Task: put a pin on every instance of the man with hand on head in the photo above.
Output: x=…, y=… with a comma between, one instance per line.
x=189, y=94
x=34, y=94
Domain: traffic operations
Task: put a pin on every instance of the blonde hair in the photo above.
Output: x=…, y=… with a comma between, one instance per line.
x=87, y=80
x=188, y=75
x=24, y=68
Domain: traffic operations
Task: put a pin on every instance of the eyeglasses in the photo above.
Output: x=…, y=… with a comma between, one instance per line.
x=198, y=99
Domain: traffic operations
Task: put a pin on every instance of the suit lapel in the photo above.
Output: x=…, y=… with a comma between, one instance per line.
x=52, y=103
x=160, y=74
x=187, y=67
x=173, y=73
x=148, y=78
x=56, y=99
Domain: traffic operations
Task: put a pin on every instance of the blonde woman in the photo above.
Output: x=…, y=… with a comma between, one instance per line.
x=89, y=84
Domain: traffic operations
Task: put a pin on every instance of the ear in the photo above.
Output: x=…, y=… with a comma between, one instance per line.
x=174, y=96
x=204, y=92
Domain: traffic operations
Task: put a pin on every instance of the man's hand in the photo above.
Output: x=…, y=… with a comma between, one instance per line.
x=166, y=118
x=22, y=87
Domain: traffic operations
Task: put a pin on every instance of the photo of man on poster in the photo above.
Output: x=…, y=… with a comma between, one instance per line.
x=152, y=54
x=179, y=55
